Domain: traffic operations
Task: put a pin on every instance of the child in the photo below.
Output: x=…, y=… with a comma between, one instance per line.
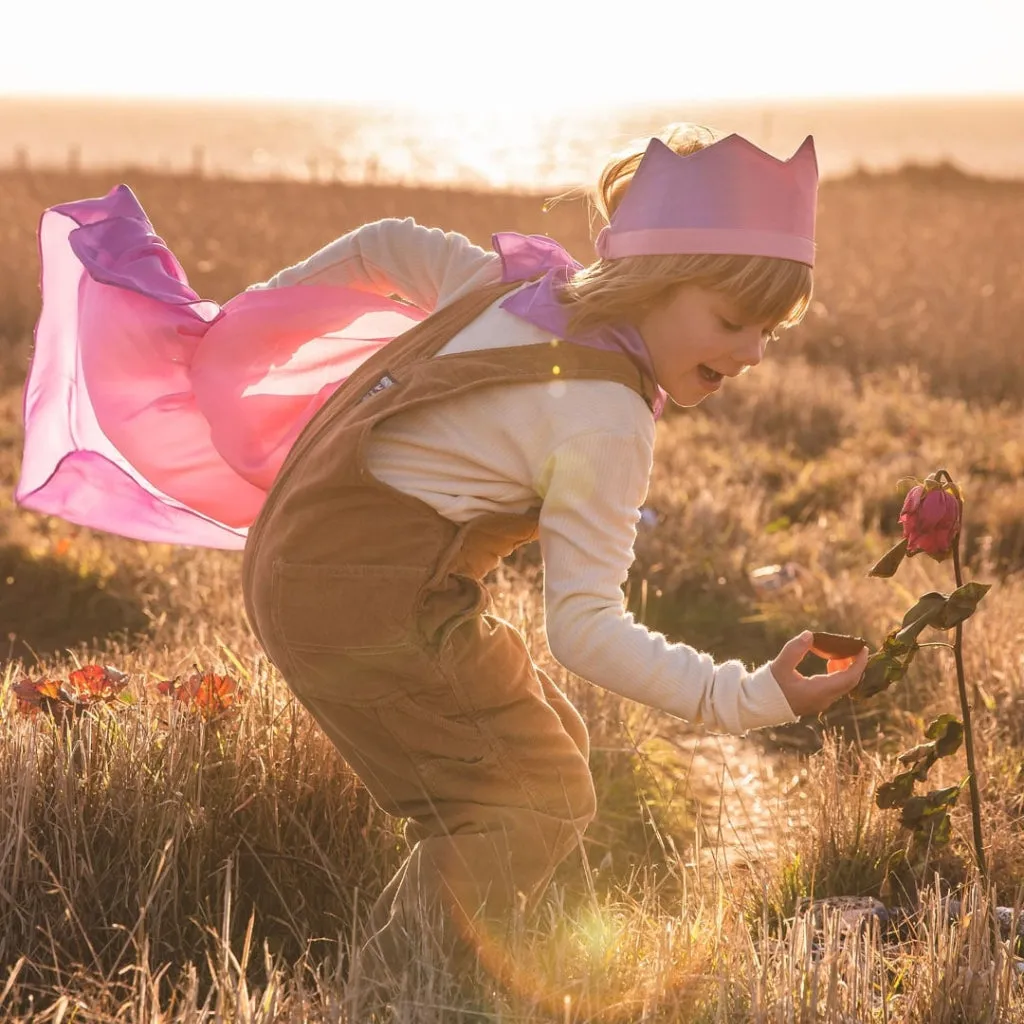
x=519, y=401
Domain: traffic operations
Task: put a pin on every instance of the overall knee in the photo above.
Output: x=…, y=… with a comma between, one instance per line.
x=576, y=812
x=569, y=811
x=580, y=797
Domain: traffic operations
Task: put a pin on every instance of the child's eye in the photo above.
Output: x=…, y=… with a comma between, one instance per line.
x=730, y=326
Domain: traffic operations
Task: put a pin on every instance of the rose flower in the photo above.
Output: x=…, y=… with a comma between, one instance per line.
x=931, y=520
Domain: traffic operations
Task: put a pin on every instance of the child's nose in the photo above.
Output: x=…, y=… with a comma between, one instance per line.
x=752, y=348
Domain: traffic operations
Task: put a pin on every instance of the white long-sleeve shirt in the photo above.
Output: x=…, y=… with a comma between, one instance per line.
x=581, y=449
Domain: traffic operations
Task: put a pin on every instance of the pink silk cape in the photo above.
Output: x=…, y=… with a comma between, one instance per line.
x=155, y=414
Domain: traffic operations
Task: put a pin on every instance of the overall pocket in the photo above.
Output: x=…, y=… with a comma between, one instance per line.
x=444, y=608
x=346, y=608
x=347, y=633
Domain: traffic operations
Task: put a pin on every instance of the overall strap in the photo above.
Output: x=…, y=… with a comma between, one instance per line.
x=424, y=340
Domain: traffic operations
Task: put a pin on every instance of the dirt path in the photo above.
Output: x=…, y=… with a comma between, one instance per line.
x=744, y=796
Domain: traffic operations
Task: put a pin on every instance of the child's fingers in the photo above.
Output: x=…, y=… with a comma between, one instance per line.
x=793, y=652
x=813, y=694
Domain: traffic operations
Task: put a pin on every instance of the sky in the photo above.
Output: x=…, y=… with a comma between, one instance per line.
x=525, y=55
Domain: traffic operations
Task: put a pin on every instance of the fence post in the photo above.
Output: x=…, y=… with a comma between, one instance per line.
x=75, y=158
x=198, y=160
x=21, y=158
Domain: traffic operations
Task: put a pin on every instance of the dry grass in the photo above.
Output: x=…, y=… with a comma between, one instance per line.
x=158, y=866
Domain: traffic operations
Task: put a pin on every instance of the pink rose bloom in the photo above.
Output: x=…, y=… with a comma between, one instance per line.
x=931, y=521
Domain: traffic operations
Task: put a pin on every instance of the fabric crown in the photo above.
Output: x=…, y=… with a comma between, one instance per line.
x=729, y=198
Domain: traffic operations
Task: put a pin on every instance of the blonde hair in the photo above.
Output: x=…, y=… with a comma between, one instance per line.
x=764, y=289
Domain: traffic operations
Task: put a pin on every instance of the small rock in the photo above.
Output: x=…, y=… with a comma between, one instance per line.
x=853, y=911
x=1004, y=915
x=768, y=579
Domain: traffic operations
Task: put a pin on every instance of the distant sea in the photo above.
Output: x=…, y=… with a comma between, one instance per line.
x=490, y=150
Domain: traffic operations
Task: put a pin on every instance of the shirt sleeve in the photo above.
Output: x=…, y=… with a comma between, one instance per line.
x=424, y=266
x=592, y=487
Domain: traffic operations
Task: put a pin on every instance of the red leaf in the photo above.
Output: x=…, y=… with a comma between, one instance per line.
x=97, y=682
x=167, y=687
x=84, y=687
x=212, y=693
x=208, y=693
x=50, y=695
x=838, y=665
x=32, y=692
x=837, y=645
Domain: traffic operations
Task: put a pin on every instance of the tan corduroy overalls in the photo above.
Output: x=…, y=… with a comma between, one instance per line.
x=372, y=607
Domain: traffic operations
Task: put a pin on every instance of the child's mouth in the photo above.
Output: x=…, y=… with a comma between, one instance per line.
x=711, y=376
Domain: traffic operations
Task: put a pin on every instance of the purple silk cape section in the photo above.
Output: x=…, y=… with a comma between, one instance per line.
x=155, y=414
x=538, y=304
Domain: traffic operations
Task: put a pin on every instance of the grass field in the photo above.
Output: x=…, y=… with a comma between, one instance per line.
x=159, y=863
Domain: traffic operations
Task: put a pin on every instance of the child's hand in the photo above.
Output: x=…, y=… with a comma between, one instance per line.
x=809, y=695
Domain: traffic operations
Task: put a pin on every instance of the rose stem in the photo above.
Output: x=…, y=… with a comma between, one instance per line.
x=965, y=709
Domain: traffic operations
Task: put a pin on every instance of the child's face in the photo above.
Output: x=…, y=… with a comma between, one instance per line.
x=695, y=338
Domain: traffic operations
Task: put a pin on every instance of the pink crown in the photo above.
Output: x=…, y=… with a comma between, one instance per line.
x=729, y=198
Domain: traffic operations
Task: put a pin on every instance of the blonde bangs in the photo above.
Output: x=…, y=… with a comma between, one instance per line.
x=765, y=290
